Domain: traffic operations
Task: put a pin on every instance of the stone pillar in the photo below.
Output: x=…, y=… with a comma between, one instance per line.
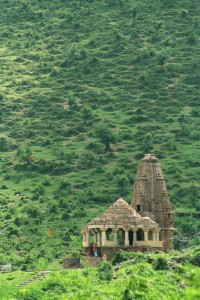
x=98, y=238
x=170, y=243
x=146, y=235
x=126, y=241
x=134, y=236
x=95, y=236
x=103, y=236
x=154, y=235
x=84, y=237
x=157, y=235
x=115, y=236
x=87, y=238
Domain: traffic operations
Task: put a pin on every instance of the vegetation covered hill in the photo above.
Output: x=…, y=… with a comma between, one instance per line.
x=88, y=87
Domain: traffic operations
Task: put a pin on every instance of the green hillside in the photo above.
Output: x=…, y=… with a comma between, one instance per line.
x=148, y=276
x=78, y=77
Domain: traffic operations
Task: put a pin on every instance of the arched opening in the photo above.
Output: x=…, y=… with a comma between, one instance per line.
x=140, y=235
x=130, y=237
x=120, y=237
x=91, y=237
x=150, y=235
x=109, y=235
x=138, y=207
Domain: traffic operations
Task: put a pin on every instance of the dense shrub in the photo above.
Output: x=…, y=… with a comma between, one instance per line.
x=160, y=263
x=193, y=290
x=105, y=270
x=31, y=294
x=55, y=284
x=195, y=256
x=124, y=256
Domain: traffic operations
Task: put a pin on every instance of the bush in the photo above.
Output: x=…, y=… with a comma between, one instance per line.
x=195, y=257
x=193, y=291
x=32, y=294
x=4, y=144
x=105, y=271
x=160, y=263
x=125, y=256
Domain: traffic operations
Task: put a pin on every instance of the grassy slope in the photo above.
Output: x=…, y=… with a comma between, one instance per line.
x=139, y=277
x=68, y=66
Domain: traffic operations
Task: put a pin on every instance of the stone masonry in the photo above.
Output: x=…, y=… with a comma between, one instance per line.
x=150, y=198
x=145, y=225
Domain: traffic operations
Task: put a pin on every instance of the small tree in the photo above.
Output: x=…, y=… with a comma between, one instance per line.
x=105, y=135
x=162, y=56
x=158, y=26
x=147, y=143
x=122, y=184
x=121, y=4
x=25, y=6
x=3, y=144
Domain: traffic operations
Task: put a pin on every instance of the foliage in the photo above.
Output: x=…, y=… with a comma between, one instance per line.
x=124, y=256
x=105, y=135
x=128, y=280
x=160, y=263
x=193, y=290
x=195, y=256
x=80, y=77
x=105, y=271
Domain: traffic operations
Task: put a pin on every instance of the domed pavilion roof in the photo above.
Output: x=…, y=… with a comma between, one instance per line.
x=120, y=213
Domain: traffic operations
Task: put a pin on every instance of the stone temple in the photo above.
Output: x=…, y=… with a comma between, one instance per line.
x=145, y=225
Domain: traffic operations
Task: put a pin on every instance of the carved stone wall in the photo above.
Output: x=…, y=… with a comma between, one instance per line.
x=110, y=252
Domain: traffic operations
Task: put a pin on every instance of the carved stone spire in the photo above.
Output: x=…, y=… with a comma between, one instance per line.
x=150, y=198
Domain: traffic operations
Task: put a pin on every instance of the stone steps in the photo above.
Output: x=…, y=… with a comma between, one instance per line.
x=31, y=280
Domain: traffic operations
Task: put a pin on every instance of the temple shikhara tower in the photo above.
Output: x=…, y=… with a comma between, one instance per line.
x=150, y=198
x=145, y=225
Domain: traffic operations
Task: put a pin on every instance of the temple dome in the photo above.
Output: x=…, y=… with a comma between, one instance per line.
x=120, y=212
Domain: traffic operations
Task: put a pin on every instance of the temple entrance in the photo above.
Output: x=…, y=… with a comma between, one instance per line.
x=150, y=235
x=140, y=235
x=109, y=235
x=91, y=237
x=120, y=237
x=130, y=237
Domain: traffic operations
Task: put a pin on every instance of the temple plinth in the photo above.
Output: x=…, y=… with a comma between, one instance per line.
x=150, y=198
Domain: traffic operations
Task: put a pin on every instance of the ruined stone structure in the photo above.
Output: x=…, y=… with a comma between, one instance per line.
x=120, y=227
x=150, y=198
x=145, y=225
